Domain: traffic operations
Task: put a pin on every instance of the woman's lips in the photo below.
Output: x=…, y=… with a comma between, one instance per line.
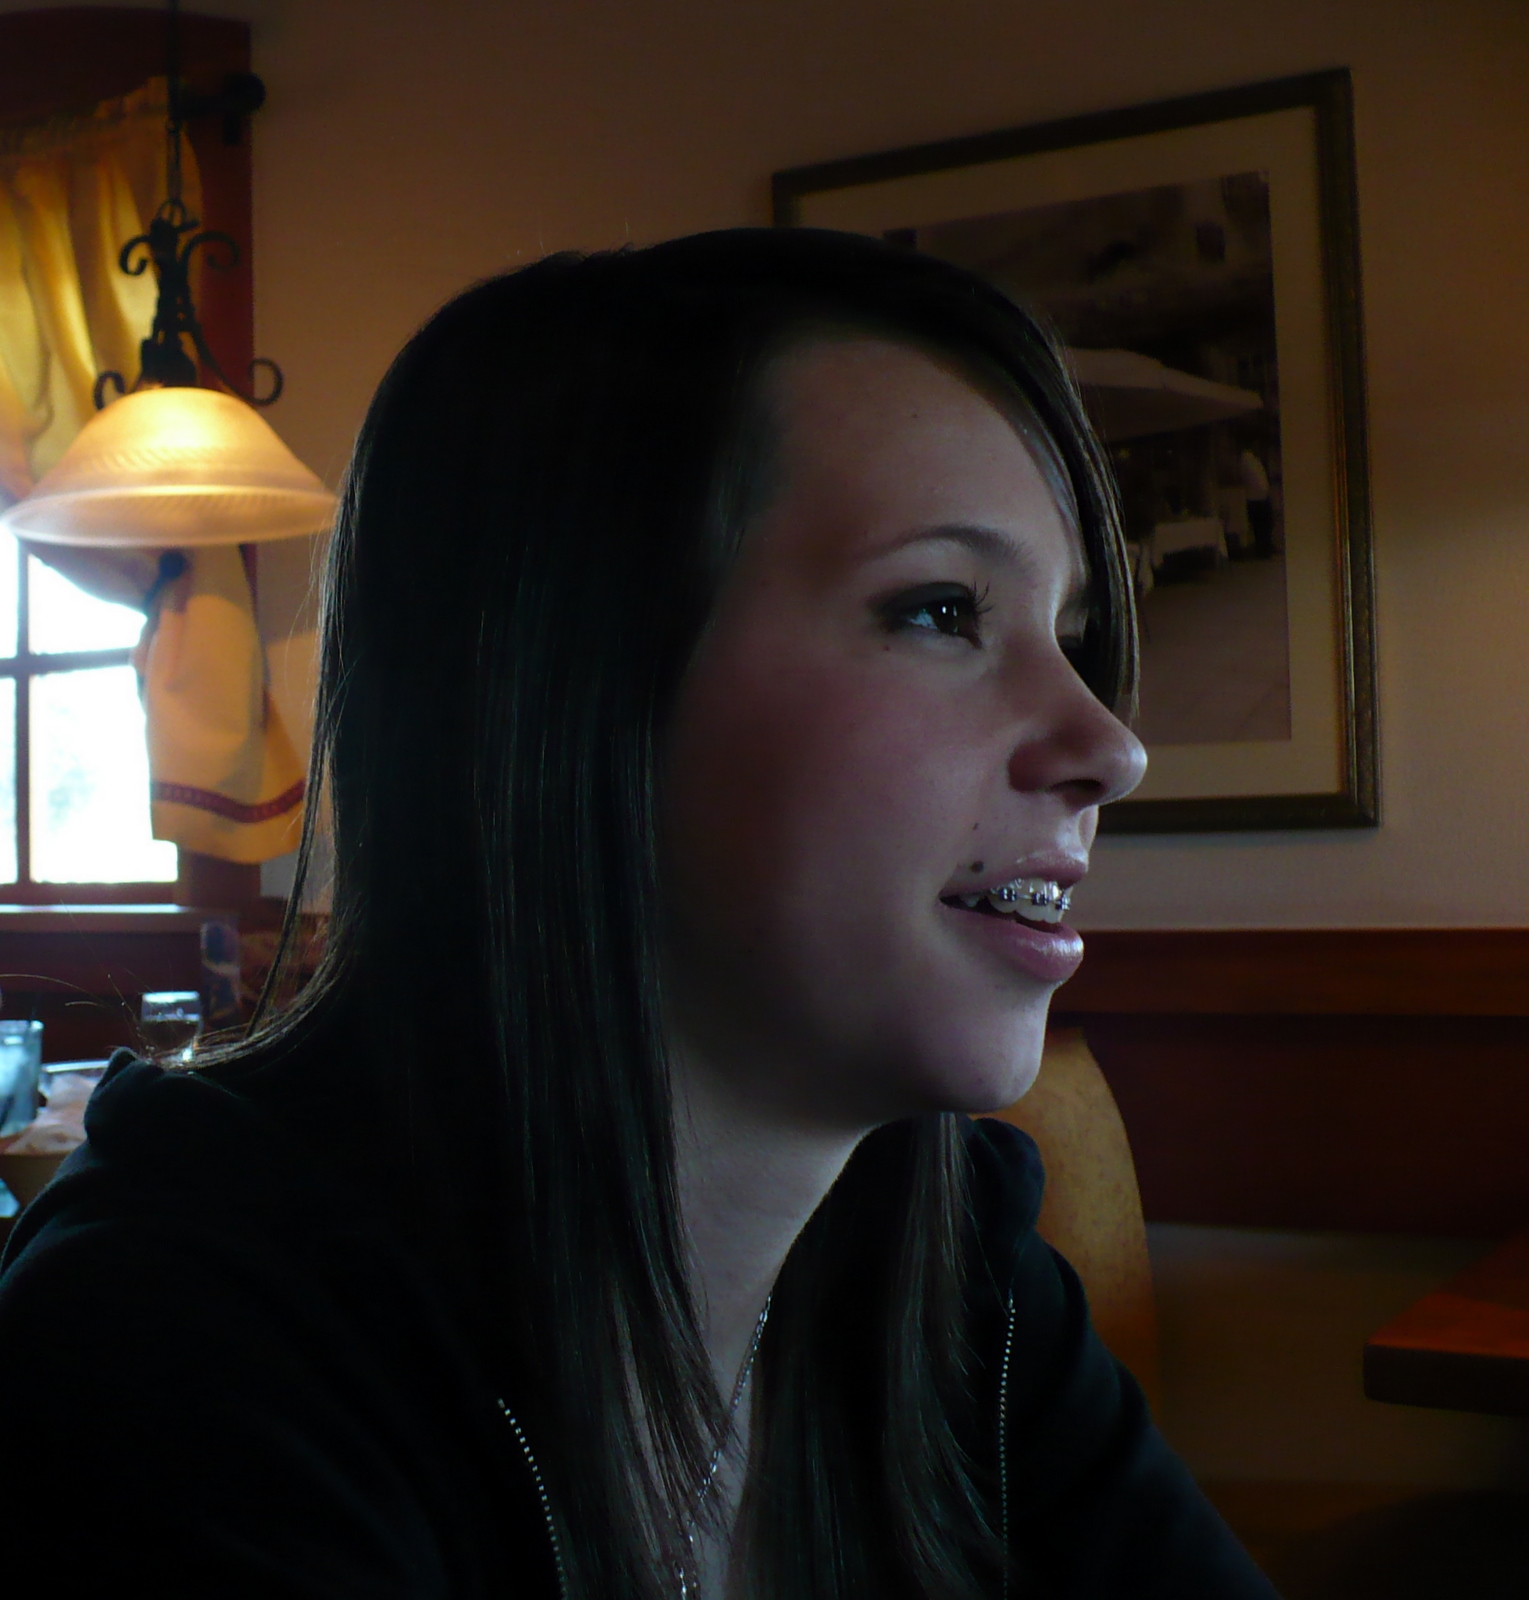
x=1050, y=952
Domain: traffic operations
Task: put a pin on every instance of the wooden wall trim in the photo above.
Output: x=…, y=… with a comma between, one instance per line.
x=67, y=58
x=1398, y=972
x=89, y=921
x=1411, y=1125
x=1358, y=1079
x=82, y=977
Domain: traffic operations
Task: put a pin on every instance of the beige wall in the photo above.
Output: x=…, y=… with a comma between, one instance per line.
x=409, y=147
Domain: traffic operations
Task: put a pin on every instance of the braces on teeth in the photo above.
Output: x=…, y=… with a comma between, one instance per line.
x=1036, y=899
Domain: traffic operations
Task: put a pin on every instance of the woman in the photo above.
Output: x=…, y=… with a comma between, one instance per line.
x=719, y=647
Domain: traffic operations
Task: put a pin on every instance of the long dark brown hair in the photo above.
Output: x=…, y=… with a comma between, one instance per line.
x=540, y=508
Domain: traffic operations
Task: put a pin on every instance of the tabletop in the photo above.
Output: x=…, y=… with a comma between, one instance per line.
x=30, y=1158
x=1465, y=1346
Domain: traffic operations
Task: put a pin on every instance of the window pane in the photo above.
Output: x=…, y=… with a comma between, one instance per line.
x=9, y=569
x=8, y=776
x=61, y=616
x=90, y=782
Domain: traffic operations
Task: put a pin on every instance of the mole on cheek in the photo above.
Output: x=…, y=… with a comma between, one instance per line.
x=976, y=866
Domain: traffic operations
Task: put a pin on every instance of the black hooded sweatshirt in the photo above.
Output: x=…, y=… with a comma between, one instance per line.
x=223, y=1376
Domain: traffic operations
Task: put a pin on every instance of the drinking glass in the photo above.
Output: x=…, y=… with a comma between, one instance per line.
x=171, y=1020
x=20, y=1071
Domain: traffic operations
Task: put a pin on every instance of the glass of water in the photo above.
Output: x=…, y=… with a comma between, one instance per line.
x=171, y=1020
x=20, y=1073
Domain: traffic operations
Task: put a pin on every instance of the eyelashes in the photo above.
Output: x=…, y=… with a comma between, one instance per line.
x=953, y=610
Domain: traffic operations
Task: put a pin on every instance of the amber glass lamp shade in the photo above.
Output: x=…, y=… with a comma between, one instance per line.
x=173, y=468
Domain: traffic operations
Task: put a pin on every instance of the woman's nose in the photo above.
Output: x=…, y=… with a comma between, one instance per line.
x=1081, y=752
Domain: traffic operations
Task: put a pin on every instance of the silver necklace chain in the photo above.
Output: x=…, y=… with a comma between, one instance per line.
x=684, y=1569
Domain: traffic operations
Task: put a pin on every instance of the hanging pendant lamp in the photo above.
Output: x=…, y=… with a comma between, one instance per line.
x=171, y=464
x=173, y=467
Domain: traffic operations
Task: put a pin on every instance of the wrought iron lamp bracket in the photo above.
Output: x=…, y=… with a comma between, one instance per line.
x=162, y=356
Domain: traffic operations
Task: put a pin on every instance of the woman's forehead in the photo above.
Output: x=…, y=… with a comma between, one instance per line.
x=896, y=439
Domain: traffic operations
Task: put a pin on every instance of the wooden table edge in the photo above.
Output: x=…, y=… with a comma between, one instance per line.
x=1483, y=1366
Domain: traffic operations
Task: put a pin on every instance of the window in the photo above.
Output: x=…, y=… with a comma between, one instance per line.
x=74, y=784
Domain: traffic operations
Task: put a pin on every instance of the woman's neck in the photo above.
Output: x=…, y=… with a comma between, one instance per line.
x=749, y=1176
x=749, y=1179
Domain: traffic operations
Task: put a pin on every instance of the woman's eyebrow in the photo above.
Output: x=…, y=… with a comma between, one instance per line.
x=992, y=543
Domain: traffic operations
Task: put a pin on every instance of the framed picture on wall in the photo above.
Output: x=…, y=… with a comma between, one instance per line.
x=1199, y=259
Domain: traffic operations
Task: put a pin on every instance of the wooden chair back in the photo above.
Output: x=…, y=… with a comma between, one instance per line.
x=1092, y=1211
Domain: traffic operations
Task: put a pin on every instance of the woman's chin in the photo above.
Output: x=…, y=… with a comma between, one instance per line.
x=986, y=1072
x=997, y=1091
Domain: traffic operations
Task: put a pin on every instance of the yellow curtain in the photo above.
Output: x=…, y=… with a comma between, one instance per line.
x=73, y=191
x=226, y=780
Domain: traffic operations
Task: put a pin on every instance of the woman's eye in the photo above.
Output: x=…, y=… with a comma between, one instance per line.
x=954, y=611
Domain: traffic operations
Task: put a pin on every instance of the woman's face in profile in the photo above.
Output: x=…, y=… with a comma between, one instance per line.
x=882, y=718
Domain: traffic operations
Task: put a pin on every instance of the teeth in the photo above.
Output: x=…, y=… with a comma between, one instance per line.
x=971, y=901
x=1036, y=899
